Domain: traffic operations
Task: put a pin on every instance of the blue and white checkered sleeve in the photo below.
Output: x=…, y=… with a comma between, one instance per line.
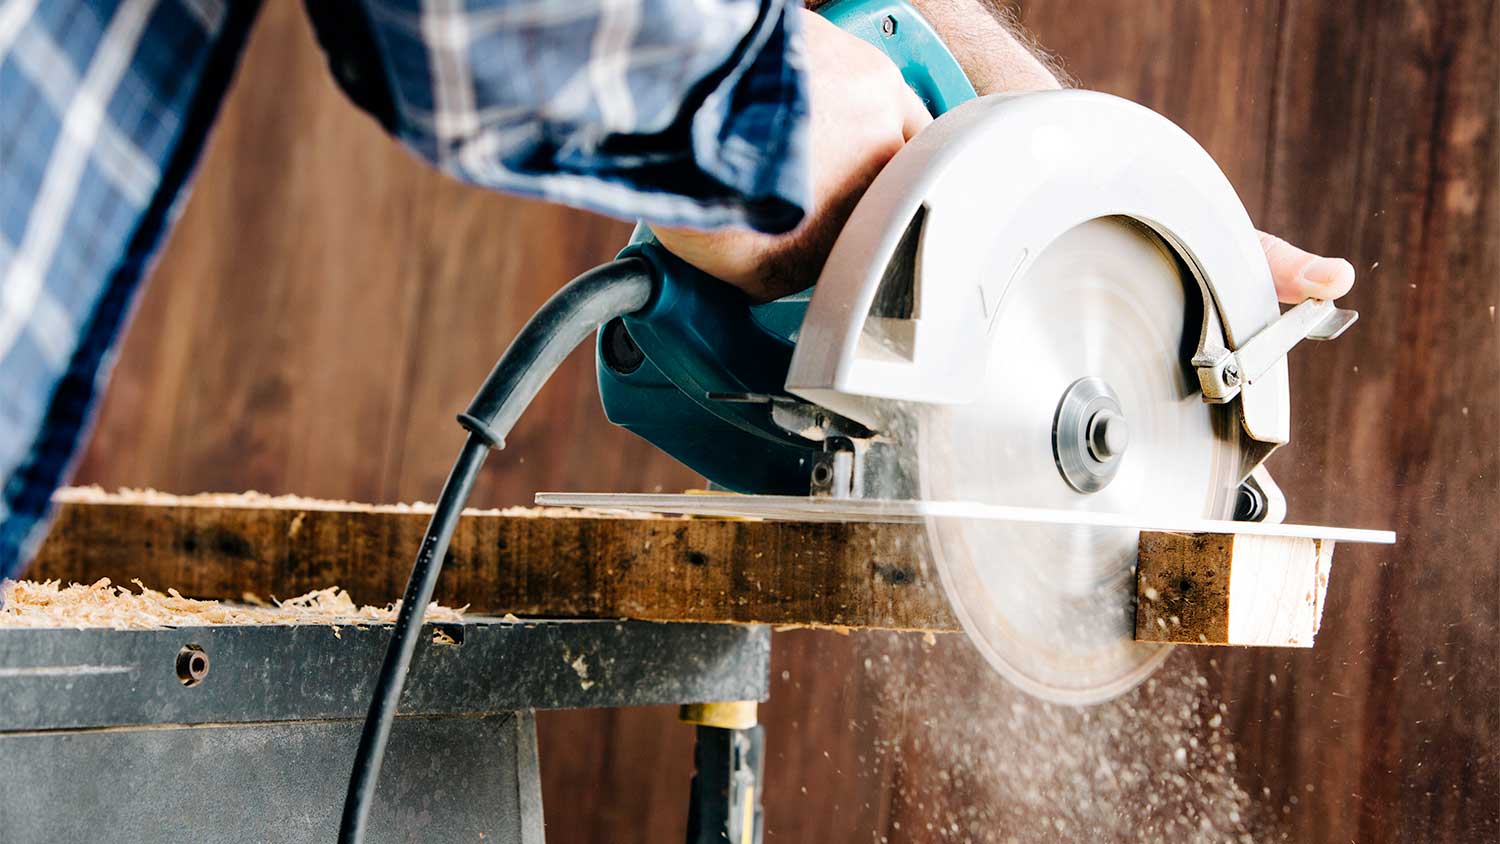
x=682, y=112
x=104, y=108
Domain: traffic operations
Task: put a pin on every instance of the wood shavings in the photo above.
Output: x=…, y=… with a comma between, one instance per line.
x=260, y=500
x=842, y=630
x=580, y=667
x=48, y=604
x=983, y=762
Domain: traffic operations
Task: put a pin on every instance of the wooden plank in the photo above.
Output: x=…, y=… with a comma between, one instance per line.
x=827, y=575
x=1210, y=588
x=1225, y=589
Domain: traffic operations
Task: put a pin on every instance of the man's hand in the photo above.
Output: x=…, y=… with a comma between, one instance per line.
x=862, y=113
x=1300, y=274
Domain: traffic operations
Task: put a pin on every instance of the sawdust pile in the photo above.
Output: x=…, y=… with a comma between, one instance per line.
x=127, y=495
x=978, y=760
x=48, y=604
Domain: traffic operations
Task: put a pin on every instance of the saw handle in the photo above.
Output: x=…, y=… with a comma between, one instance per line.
x=698, y=380
x=701, y=339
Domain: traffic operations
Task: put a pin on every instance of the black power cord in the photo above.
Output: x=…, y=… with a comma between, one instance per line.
x=567, y=319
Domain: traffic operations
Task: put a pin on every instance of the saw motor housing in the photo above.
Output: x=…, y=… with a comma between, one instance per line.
x=788, y=397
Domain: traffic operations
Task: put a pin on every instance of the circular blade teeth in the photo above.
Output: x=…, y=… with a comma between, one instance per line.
x=1052, y=608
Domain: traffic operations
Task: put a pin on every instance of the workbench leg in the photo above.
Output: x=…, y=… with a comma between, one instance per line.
x=724, y=803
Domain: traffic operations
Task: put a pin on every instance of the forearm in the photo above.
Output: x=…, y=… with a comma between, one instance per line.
x=684, y=111
x=989, y=43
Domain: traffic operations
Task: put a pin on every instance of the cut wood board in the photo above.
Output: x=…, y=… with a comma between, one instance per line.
x=556, y=564
x=1222, y=589
x=531, y=564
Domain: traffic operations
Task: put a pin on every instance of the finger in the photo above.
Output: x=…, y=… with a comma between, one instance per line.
x=914, y=114
x=1301, y=275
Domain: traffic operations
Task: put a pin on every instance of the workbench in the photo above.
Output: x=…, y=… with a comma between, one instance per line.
x=247, y=732
x=115, y=730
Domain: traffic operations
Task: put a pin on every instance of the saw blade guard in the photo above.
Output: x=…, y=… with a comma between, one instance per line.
x=974, y=200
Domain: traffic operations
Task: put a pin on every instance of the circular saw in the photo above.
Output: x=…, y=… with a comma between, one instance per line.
x=1047, y=326
x=1047, y=300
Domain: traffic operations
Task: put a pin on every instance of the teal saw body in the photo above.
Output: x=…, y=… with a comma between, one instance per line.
x=699, y=372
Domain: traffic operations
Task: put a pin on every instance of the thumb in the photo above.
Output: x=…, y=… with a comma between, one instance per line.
x=1301, y=275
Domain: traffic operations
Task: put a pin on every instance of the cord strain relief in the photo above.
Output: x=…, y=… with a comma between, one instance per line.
x=479, y=428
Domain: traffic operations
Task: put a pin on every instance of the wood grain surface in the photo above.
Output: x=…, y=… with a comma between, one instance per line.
x=548, y=566
x=553, y=564
x=1222, y=589
x=326, y=304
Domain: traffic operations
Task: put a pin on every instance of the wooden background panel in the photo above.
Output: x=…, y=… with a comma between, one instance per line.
x=1410, y=432
x=327, y=303
x=1372, y=128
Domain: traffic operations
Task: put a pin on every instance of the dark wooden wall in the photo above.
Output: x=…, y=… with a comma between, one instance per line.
x=326, y=304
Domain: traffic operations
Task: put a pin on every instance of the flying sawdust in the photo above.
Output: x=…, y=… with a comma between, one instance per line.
x=980, y=761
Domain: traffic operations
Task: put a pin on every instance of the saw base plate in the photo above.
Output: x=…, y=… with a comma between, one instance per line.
x=793, y=508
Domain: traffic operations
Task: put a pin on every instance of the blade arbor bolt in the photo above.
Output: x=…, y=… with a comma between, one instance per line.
x=1089, y=435
x=1108, y=435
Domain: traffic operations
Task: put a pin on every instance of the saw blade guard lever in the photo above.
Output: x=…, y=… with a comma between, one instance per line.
x=1223, y=373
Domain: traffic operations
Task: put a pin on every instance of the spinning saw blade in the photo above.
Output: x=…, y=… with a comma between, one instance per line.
x=1100, y=330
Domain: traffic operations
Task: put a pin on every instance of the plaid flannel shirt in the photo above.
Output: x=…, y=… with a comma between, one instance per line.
x=679, y=111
